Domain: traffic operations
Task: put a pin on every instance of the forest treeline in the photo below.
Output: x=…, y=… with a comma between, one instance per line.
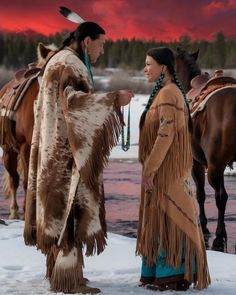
x=19, y=49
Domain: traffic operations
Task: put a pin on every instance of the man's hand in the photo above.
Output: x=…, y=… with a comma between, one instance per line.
x=124, y=97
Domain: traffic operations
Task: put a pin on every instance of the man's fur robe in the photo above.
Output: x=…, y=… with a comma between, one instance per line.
x=73, y=133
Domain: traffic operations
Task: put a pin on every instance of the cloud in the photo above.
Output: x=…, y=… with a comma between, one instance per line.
x=219, y=7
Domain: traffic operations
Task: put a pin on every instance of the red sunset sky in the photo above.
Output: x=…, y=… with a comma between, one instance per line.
x=143, y=19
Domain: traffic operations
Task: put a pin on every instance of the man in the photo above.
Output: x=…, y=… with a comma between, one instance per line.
x=73, y=133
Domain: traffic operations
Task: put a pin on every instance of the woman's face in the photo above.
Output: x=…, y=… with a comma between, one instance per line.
x=152, y=69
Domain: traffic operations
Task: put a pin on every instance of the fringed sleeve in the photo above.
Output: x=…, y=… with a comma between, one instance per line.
x=166, y=112
x=94, y=123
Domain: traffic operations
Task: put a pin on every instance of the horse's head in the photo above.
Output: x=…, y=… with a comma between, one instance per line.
x=44, y=53
x=186, y=67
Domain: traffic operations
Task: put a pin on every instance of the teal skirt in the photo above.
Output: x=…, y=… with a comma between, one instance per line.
x=161, y=270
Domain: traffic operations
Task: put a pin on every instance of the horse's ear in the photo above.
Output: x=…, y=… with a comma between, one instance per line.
x=42, y=51
x=179, y=51
x=195, y=54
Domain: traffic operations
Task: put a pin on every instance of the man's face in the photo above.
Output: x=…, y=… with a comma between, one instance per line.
x=95, y=48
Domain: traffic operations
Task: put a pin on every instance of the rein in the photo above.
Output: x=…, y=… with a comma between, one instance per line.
x=125, y=145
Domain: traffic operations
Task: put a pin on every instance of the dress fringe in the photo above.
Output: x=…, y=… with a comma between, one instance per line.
x=156, y=230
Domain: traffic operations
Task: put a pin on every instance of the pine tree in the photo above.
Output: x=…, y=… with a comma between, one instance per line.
x=17, y=50
x=2, y=48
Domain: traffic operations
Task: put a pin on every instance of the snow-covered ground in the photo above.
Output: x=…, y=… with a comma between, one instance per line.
x=116, y=271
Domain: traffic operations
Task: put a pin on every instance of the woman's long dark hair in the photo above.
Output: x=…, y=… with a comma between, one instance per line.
x=164, y=56
x=86, y=29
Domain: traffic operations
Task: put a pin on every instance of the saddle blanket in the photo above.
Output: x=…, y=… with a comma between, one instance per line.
x=200, y=106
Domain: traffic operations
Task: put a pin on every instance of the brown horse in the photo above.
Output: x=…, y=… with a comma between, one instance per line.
x=213, y=143
x=17, y=134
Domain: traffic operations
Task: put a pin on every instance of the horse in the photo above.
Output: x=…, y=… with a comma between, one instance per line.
x=16, y=132
x=213, y=143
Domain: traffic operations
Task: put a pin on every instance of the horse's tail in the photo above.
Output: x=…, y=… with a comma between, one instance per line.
x=7, y=186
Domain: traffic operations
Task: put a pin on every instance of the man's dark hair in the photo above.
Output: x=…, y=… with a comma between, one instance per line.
x=90, y=29
x=86, y=29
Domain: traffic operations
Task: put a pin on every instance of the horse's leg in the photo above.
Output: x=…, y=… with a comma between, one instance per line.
x=198, y=173
x=216, y=180
x=10, y=163
x=24, y=157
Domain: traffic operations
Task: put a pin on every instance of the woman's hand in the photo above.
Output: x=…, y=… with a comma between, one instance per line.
x=124, y=97
x=147, y=183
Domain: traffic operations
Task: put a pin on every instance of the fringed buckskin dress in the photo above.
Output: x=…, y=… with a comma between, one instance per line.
x=73, y=133
x=169, y=235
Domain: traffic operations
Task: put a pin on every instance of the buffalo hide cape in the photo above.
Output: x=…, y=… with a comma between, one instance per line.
x=73, y=134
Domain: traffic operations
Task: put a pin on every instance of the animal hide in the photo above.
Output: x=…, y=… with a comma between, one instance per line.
x=168, y=217
x=73, y=133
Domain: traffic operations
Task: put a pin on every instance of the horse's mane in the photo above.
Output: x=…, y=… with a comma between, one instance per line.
x=190, y=62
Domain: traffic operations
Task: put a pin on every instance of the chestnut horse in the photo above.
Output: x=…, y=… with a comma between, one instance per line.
x=213, y=143
x=17, y=149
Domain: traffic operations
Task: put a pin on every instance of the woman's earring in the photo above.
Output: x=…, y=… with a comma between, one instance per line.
x=162, y=75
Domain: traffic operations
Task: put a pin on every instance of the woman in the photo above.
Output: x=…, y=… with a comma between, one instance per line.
x=169, y=233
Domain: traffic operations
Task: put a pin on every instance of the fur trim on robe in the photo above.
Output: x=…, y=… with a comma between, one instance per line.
x=73, y=134
x=168, y=217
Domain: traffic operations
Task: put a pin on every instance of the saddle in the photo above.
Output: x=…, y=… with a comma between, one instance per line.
x=16, y=90
x=24, y=74
x=202, y=85
x=197, y=84
x=10, y=101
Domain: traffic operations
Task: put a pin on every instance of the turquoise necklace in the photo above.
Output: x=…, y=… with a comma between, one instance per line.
x=125, y=145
